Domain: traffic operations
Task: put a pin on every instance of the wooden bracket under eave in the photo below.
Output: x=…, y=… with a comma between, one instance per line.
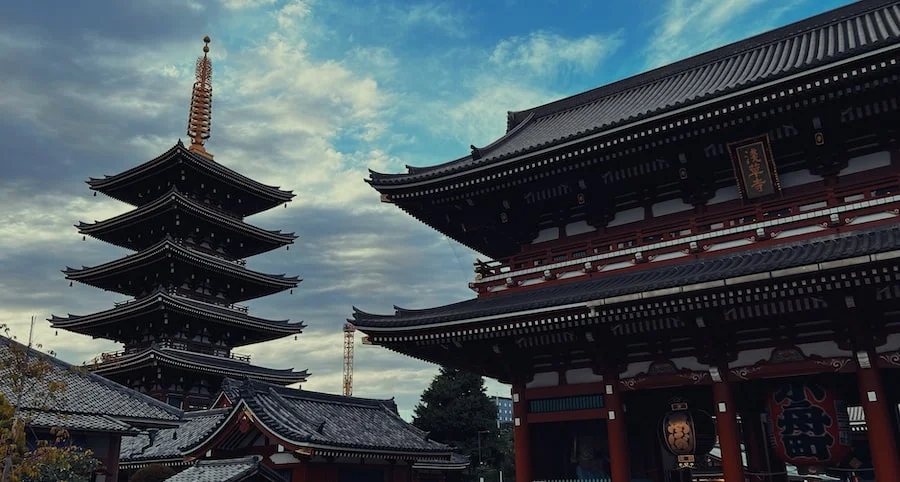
x=386, y=198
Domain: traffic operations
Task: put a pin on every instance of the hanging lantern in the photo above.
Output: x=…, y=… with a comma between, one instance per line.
x=687, y=434
x=811, y=426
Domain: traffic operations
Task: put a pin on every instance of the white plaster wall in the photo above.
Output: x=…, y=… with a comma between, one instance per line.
x=581, y=227
x=725, y=194
x=690, y=363
x=545, y=235
x=867, y=162
x=546, y=379
x=635, y=368
x=893, y=344
x=670, y=207
x=825, y=349
x=582, y=375
x=747, y=358
x=798, y=178
x=632, y=215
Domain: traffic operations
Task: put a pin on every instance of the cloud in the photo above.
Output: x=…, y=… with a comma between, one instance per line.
x=688, y=27
x=546, y=54
x=433, y=15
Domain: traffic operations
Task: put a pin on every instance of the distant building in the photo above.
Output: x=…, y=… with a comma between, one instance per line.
x=504, y=409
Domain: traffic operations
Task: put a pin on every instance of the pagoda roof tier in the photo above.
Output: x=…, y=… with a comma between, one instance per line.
x=245, y=328
x=244, y=239
x=673, y=279
x=137, y=185
x=178, y=359
x=157, y=262
x=855, y=32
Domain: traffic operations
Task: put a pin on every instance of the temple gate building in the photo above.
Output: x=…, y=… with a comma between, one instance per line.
x=188, y=271
x=706, y=253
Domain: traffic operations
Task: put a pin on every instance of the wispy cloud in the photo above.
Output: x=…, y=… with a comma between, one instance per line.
x=441, y=16
x=689, y=27
x=547, y=54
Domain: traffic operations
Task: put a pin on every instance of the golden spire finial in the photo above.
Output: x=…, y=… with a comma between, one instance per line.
x=201, y=104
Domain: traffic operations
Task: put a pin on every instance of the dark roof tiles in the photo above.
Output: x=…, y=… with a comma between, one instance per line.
x=799, y=253
x=228, y=470
x=856, y=29
x=166, y=444
x=88, y=398
x=330, y=420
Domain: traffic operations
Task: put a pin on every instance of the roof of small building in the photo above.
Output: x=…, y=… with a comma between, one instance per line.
x=166, y=444
x=853, y=31
x=866, y=241
x=228, y=470
x=329, y=422
x=88, y=402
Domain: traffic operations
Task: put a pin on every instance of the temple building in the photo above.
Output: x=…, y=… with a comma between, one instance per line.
x=703, y=258
x=188, y=271
x=294, y=435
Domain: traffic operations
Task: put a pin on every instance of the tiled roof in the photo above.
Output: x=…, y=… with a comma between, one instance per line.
x=78, y=422
x=226, y=367
x=161, y=299
x=228, y=470
x=89, y=399
x=169, y=250
x=173, y=200
x=178, y=153
x=855, y=30
x=166, y=444
x=303, y=418
x=846, y=245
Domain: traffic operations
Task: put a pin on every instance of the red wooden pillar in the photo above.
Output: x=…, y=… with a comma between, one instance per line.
x=521, y=439
x=729, y=434
x=880, y=429
x=616, y=432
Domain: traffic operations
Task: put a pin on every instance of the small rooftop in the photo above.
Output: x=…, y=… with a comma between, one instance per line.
x=89, y=402
x=228, y=470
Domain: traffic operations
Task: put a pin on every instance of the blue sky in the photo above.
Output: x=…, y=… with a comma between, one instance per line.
x=307, y=95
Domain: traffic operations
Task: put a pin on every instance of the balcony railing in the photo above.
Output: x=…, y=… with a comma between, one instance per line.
x=109, y=357
x=803, y=206
x=208, y=300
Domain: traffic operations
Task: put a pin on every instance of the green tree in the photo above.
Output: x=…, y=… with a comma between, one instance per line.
x=26, y=455
x=455, y=410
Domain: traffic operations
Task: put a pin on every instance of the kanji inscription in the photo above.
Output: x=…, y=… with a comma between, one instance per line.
x=806, y=424
x=754, y=167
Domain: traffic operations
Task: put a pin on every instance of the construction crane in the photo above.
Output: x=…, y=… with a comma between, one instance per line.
x=349, y=332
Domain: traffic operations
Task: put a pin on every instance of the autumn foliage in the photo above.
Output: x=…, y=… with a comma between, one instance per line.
x=28, y=390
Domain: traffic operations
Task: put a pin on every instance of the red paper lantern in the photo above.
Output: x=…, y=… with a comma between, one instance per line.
x=810, y=425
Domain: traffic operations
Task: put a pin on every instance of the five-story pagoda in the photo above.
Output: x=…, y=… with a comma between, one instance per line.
x=187, y=272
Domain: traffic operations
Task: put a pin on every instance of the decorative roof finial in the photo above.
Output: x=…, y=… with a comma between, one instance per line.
x=201, y=104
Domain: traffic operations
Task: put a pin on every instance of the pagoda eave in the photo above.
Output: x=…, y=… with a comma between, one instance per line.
x=195, y=362
x=247, y=328
x=115, y=275
x=119, y=230
x=120, y=186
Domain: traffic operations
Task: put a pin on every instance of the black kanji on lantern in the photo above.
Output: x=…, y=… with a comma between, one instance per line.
x=803, y=424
